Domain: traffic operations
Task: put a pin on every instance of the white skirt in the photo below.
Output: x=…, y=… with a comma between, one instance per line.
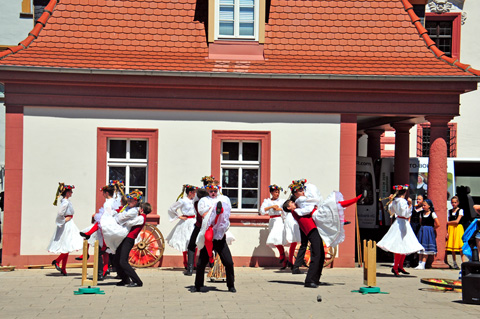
x=329, y=218
x=66, y=239
x=276, y=235
x=113, y=233
x=292, y=230
x=94, y=237
x=400, y=239
x=180, y=234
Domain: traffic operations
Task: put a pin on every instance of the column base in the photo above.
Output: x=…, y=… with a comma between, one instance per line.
x=438, y=264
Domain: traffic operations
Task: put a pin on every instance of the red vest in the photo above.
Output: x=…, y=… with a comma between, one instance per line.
x=306, y=222
x=198, y=223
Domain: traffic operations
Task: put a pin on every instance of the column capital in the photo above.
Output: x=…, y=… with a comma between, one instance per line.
x=438, y=120
x=402, y=127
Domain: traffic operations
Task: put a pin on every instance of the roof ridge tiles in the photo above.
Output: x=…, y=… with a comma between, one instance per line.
x=439, y=54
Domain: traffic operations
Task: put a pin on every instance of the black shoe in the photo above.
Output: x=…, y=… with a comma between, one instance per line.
x=100, y=278
x=232, y=289
x=195, y=289
x=57, y=267
x=219, y=208
x=310, y=285
x=106, y=273
x=403, y=271
x=84, y=235
x=81, y=258
x=395, y=272
x=134, y=284
x=122, y=283
x=296, y=271
x=347, y=222
x=64, y=273
x=189, y=270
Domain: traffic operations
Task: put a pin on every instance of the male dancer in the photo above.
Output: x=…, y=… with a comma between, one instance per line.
x=216, y=209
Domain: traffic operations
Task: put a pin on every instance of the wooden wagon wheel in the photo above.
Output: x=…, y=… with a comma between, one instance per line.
x=149, y=247
x=330, y=253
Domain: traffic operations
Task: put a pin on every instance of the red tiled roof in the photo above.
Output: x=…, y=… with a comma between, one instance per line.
x=329, y=37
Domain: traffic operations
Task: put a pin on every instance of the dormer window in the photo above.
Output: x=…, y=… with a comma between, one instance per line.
x=236, y=19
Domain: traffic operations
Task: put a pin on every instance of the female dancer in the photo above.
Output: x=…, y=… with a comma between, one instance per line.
x=66, y=238
x=454, y=231
x=179, y=237
x=400, y=238
x=426, y=235
x=276, y=236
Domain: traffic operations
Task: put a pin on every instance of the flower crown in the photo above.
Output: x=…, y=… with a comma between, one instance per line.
x=117, y=182
x=189, y=187
x=400, y=187
x=297, y=184
x=211, y=186
x=136, y=194
x=207, y=179
x=275, y=187
x=68, y=187
x=104, y=188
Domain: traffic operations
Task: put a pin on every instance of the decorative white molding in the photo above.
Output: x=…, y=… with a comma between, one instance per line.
x=464, y=17
x=439, y=6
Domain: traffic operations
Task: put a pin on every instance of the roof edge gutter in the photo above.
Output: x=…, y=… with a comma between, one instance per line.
x=240, y=75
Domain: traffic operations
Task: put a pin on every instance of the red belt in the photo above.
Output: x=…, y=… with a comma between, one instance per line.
x=273, y=216
x=402, y=217
x=189, y=216
x=71, y=216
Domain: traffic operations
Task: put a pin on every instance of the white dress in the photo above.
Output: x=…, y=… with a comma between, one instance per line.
x=112, y=232
x=180, y=234
x=400, y=238
x=292, y=230
x=220, y=229
x=328, y=217
x=66, y=237
x=276, y=228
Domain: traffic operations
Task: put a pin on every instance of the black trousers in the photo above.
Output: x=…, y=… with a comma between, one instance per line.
x=221, y=248
x=301, y=251
x=124, y=270
x=192, y=244
x=317, y=257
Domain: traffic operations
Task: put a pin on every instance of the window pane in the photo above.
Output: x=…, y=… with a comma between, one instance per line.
x=249, y=198
x=250, y=151
x=233, y=195
x=138, y=176
x=246, y=3
x=250, y=178
x=226, y=13
x=230, y=177
x=230, y=151
x=227, y=2
x=138, y=149
x=246, y=14
x=246, y=29
x=116, y=173
x=364, y=183
x=226, y=28
x=118, y=149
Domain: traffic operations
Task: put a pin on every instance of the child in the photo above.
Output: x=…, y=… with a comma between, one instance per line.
x=66, y=238
x=455, y=231
x=426, y=235
x=276, y=236
x=180, y=235
x=124, y=269
x=400, y=238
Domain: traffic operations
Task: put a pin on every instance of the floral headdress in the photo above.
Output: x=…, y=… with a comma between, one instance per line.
x=185, y=189
x=297, y=184
x=207, y=180
x=104, y=188
x=118, y=185
x=400, y=187
x=136, y=194
x=60, y=189
x=212, y=186
x=275, y=187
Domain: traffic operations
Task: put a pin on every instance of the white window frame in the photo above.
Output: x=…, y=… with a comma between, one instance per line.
x=128, y=163
x=240, y=164
x=236, y=24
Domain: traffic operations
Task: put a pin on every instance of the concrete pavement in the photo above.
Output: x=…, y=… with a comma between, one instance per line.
x=261, y=293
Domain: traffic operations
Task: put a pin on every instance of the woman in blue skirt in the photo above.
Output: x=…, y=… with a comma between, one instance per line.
x=426, y=234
